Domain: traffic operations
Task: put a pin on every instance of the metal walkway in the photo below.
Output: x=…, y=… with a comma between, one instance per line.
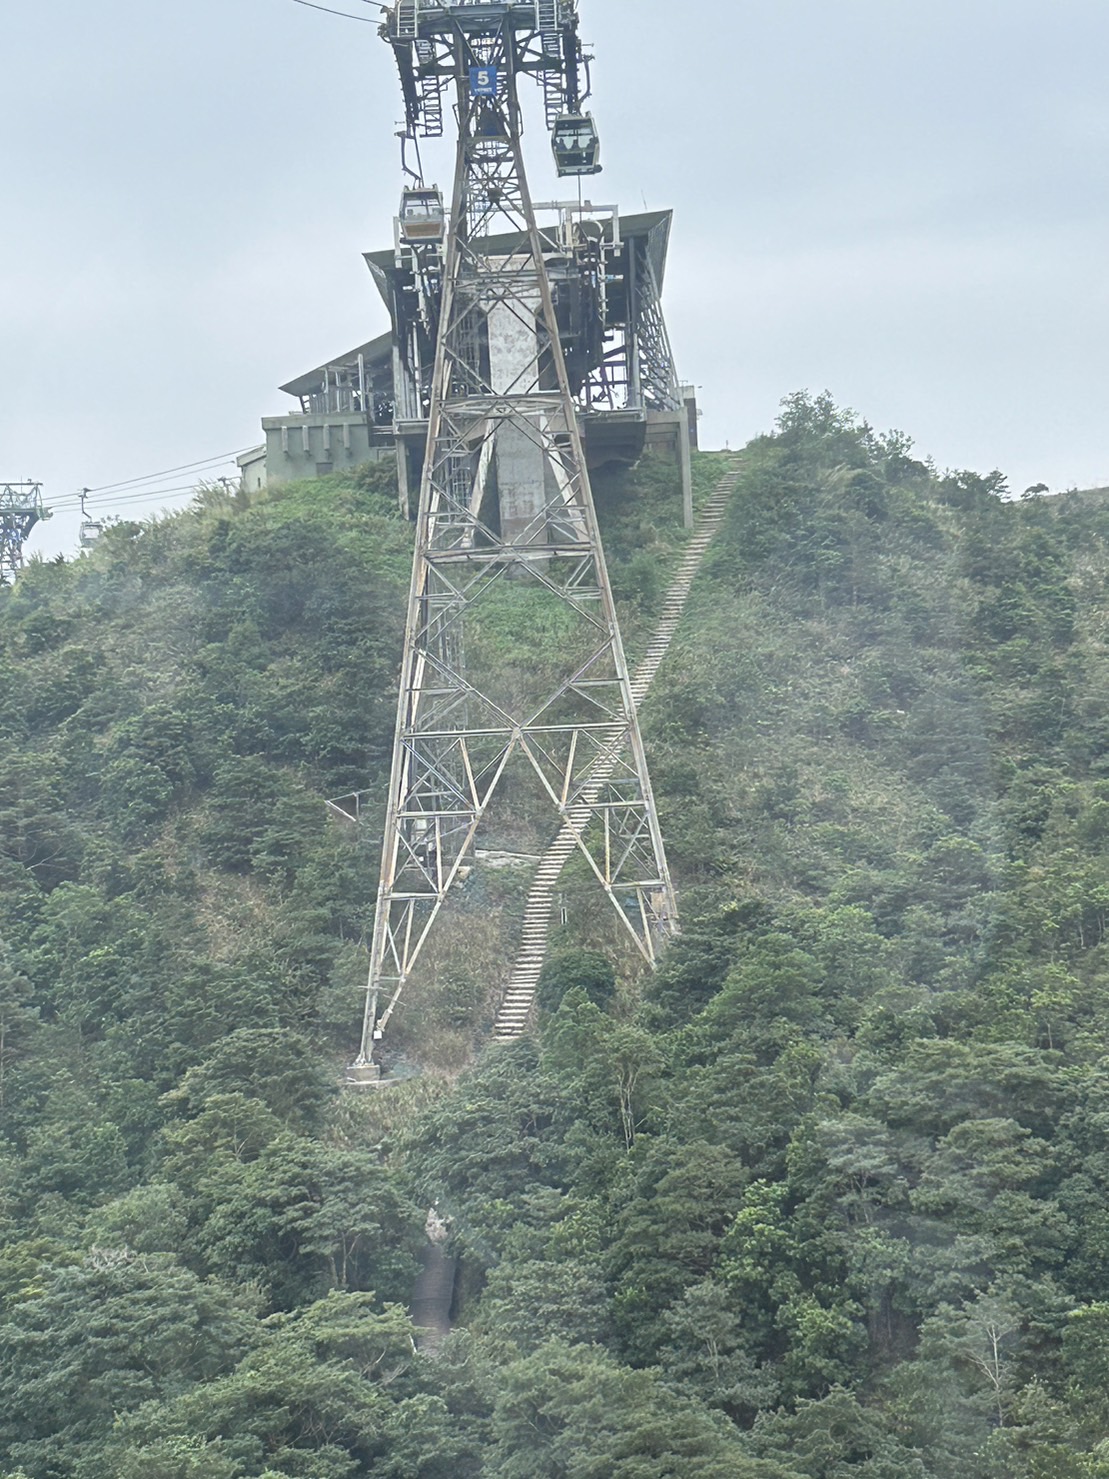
x=515, y=1009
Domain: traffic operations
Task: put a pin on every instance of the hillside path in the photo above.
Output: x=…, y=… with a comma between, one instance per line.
x=519, y=998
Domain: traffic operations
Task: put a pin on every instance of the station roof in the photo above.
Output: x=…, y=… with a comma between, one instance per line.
x=654, y=225
x=377, y=353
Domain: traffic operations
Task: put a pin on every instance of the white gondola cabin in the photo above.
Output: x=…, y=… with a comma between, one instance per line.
x=423, y=217
x=576, y=144
x=90, y=530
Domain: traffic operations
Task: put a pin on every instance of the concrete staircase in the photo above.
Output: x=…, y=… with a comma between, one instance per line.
x=515, y=1009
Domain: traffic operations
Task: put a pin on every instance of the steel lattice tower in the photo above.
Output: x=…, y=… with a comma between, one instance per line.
x=21, y=508
x=506, y=521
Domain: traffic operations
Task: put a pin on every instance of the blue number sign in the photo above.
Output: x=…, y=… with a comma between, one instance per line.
x=483, y=82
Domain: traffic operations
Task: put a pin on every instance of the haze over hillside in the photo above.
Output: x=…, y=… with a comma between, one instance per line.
x=826, y=1196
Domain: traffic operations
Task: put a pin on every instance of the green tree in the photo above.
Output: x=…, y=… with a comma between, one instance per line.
x=835, y=1437
x=18, y=1021
x=312, y=1399
x=571, y=1411
x=303, y=1218
x=99, y=1339
x=668, y=1235
x=583, y=970
x=275, y=1066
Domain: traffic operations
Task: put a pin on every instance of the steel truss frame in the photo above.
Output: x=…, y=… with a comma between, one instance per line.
x=632, y=368
x=423, y=32
x=638, y=370
x=21, y=509
x=454, y=741
x=652, y=356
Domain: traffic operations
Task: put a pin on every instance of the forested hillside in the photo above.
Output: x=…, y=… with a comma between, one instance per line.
x=827, y=1196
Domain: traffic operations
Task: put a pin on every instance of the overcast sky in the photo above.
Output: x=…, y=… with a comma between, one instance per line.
x=902, y=201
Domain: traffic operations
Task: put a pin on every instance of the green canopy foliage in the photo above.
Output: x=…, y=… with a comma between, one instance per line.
x=826, y=1195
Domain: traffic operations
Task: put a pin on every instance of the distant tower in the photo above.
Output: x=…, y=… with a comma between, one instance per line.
x=21, y=508
x=507, y=542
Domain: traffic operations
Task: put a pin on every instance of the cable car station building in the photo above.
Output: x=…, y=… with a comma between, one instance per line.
x=607, y=273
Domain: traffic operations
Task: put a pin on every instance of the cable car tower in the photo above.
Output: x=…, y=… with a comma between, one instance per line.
x=21, y=508
x=507, y=543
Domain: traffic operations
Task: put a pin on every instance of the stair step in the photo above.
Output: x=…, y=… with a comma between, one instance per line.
x=519, y=996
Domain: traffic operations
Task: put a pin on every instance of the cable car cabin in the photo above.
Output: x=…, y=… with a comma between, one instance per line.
x=576, y=144
x=90, y=533
x=422, y=217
